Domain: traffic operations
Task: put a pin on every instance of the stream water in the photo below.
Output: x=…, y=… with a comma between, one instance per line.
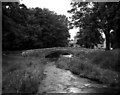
x=63, y=81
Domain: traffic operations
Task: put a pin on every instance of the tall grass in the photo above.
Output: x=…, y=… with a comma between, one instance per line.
x=108, y=59
x=101, y=66
x=22, y=75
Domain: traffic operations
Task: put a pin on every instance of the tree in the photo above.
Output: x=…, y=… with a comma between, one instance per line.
x=116, y=24
x=12, y=19
x=25, y=28
x=54, y=27
x=84, y=18
x=98, y=16
x=109, y=17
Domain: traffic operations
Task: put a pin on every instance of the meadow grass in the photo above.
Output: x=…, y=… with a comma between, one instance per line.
x=101, y=66
x=24, y=74
x=21, y=75
x=107, y=59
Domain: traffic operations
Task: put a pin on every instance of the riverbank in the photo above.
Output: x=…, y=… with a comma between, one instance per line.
x=21, y=74
x=63, y=81
x=25, y=74
x=100, y=66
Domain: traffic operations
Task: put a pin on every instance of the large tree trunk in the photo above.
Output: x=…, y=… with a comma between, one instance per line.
x=107, y=36
x=117, y=39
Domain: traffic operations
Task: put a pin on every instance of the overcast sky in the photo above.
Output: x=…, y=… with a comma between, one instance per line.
x=59, y=6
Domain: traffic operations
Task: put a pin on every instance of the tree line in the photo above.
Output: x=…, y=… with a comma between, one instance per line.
x=31, y=28
x=94, y=18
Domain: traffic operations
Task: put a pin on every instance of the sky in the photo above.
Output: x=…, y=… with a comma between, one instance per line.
x=58, y=6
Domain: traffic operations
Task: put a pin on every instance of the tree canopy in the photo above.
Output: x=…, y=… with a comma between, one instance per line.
x=93, y=18
x=24, y=28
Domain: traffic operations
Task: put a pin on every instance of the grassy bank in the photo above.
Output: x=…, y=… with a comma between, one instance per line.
x=20, y=74
x=101, y=66
x=24, y=74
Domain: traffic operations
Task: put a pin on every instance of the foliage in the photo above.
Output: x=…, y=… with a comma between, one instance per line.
x=92, y=18
x=25, y=28
x=109, y=15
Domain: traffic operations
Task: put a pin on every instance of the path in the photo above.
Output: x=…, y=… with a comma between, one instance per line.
x=63, y=81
